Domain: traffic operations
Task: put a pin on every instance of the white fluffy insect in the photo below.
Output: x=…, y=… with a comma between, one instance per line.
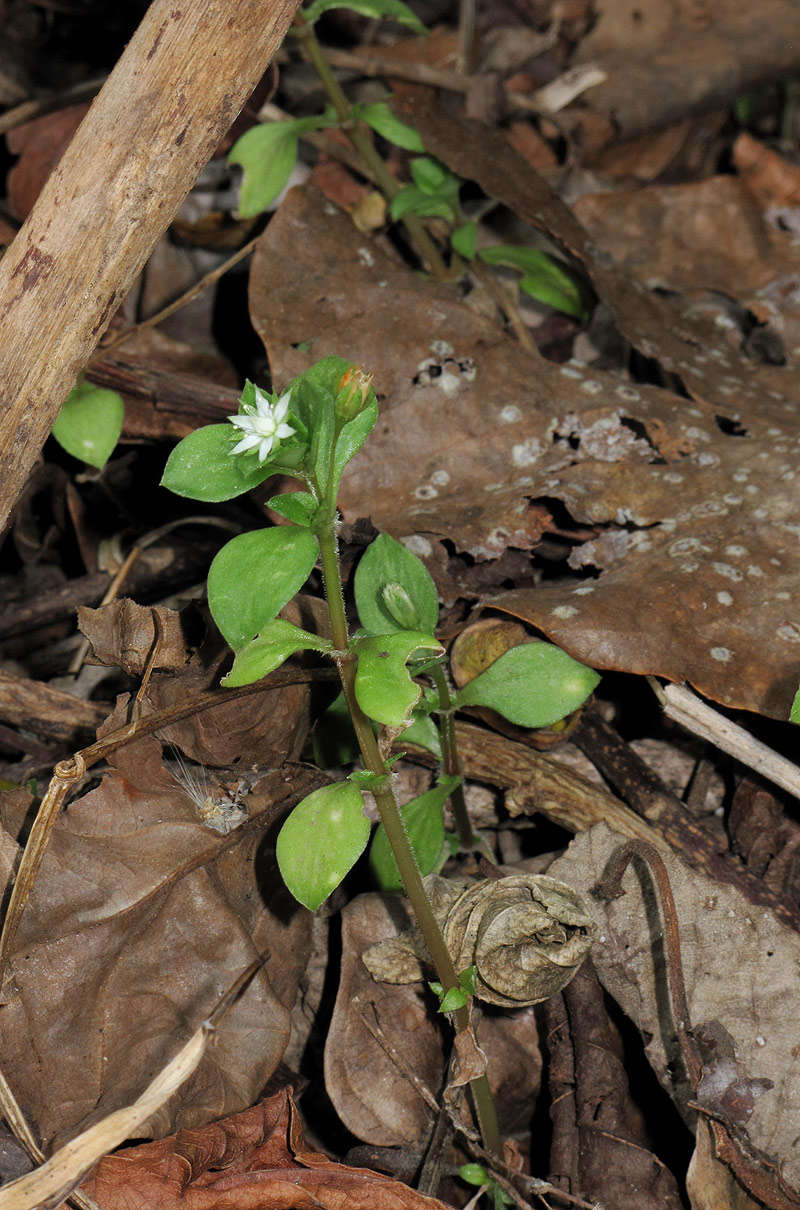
x=215, y=808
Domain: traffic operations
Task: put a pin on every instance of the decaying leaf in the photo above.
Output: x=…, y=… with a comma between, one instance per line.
x=256, y=1160
x=370, y=1093
x=600, y=1143
x=47, y=1185
x=741, y=969
x=662, y=61
x=125, y=633
x=695, y=500
x=140, y=919
x=526, y=935
x=382, y=1035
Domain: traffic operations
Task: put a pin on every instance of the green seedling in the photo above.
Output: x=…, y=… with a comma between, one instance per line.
x=476, y=1174
x=89, y=423
x=391, y=668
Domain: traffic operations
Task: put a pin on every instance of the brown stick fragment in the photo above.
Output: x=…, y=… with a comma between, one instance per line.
x=46, y=711
x=178, y=86
x=670, y=818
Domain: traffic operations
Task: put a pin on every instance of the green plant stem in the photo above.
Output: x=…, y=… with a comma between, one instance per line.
x=384, y=179
x=451, y=760
x=393, y=823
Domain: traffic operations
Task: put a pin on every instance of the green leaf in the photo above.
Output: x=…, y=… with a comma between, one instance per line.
x=394, y=9
x=268, y=650
x=267, y=154
x=351, y=438
x=425, y=830
x=313, y=397
x=429, y=175
x=424, y=733
x=553, y=294
x=384, y=688
x=533, y=685
x=321, y=841
x=380, y=117
x=387, y=562
x=794, y=716
x=544, y=278
x=463, y=240
x=468, y=980
x=255, y=575
x=203, y=468
x=452, y=1000
x=413, y=200
x=89, y=423
x=298, y=507
x=474, y=1174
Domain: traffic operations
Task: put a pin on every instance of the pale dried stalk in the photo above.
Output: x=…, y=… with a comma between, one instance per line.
x=57, y=1177
x=686, y=709
x=50, y=1184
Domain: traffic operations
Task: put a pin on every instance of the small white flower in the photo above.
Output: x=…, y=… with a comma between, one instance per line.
x=263, y=425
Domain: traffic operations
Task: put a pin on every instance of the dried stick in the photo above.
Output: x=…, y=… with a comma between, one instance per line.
x=178, y=86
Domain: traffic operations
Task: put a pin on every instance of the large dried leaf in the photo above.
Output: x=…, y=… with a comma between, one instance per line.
x=372, y=1095
x=257, y=1160
x=271, y=728
x=665, y=60
x=741, y=970
x=694, y=502
x=368, y=1079
x=140, y=919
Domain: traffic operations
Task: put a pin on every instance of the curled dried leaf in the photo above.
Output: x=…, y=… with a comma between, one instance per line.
x=526, y=935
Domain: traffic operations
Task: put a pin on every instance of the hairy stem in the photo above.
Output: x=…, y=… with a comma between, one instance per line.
x=393, y=823
x=357, y=135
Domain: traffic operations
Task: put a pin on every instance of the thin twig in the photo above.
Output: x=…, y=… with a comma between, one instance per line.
x=26, y=111
x=610, y=887
x=207, y=280
x=686, y=709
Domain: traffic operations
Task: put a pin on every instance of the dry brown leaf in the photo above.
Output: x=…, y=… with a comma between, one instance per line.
x=39, y=145
x=372, y=1096
x=140, y=919
x=525, y=934
x=124, y=633
x=741, y=969
x=380, y=1033
x=709, y=1184
x=696, y=499
x=772, y=180
x=666, y=60
x=256, y=1160
x=47, y=1185
x=707, y=235
x=272, y=727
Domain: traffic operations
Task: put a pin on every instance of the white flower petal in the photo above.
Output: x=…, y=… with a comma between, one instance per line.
x=282, y=406
x=264, y=448
x=284, y=430
x=242, y=422
x=247, y=443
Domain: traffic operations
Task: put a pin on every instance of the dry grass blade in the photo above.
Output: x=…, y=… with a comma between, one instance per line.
x=53, y=1181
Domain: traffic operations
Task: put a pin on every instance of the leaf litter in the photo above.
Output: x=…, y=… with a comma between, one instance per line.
x=142, y=911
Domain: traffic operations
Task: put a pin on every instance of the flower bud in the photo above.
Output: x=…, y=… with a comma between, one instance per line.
x=399, y=606
x=353, y=394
